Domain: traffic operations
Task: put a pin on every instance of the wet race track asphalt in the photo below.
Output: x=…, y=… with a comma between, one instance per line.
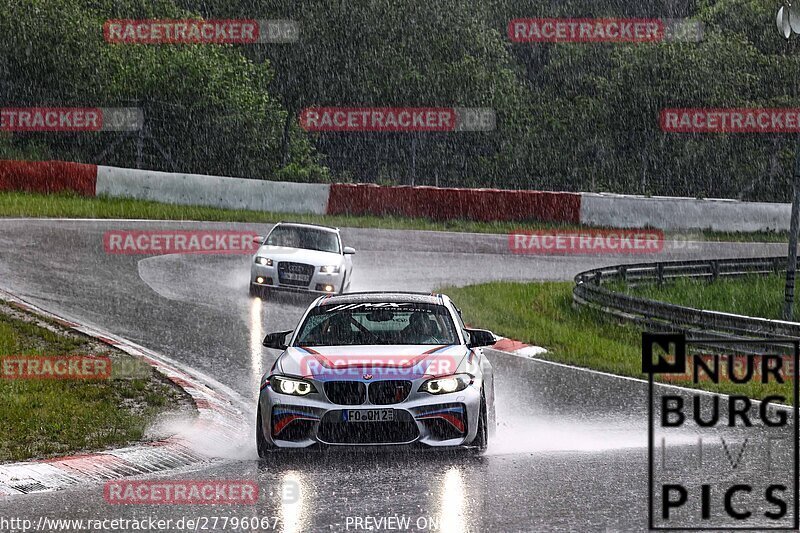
x=571, y=447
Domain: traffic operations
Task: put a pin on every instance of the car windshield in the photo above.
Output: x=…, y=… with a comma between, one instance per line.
x=377, y=323
x=306, y=238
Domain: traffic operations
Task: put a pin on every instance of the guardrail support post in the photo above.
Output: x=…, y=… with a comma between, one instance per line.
x=791, y=268
x=660, y=272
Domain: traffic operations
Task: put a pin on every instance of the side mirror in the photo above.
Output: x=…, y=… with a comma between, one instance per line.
x=258, y=239
x=349, y=251
x=276, y=340
x=480, y=337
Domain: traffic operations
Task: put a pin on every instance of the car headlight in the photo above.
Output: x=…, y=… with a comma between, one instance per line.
x=292, y=386
x=447, y=384
x=266, y=261
x=330, y=269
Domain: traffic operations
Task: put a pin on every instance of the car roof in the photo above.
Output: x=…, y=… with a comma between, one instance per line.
x=304, y=225
x=382, y=297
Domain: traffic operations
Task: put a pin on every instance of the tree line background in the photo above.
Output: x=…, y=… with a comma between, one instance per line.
x=574, y=117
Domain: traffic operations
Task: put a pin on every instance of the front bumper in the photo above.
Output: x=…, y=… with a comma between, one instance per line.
x=267, y=276
x=445, y=420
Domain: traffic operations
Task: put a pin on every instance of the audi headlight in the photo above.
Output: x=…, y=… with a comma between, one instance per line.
x=330, y=269
x=447, y=384
x=266, y=261
x=291, y=386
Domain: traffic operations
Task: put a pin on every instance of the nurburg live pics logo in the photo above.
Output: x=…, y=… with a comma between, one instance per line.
x=717, y=461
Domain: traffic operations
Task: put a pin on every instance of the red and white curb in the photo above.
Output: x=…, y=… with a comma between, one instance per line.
x=218, y=420
x=520, y=349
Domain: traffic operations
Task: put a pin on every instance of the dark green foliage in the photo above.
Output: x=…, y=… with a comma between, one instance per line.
x=569, y=116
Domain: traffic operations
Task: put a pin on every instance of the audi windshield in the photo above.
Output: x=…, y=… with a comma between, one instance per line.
x=305, y=238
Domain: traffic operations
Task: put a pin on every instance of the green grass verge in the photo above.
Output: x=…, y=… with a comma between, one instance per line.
x=44, y=418
x=542, y=314
x=16, y=204
x=760, y=296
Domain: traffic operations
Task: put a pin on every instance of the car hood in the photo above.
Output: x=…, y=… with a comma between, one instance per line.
x=300, y=255
x=331, y=363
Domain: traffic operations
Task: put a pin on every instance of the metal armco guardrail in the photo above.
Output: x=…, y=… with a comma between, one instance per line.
x=592, y=290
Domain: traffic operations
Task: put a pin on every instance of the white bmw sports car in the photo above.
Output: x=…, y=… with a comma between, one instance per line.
x=378, y=369
x=301, y=257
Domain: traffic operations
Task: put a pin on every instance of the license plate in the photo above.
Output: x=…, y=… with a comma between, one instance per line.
x=368, y=415
x=294, y=277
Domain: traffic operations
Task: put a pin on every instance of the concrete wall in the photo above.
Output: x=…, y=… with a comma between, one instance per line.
x=669, y=213
x=216, y=191
x=440, y=203
x=47, y=177
x=610, y=210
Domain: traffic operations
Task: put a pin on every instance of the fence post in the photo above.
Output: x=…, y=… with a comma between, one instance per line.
x=660, y=273
x=714, y=270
